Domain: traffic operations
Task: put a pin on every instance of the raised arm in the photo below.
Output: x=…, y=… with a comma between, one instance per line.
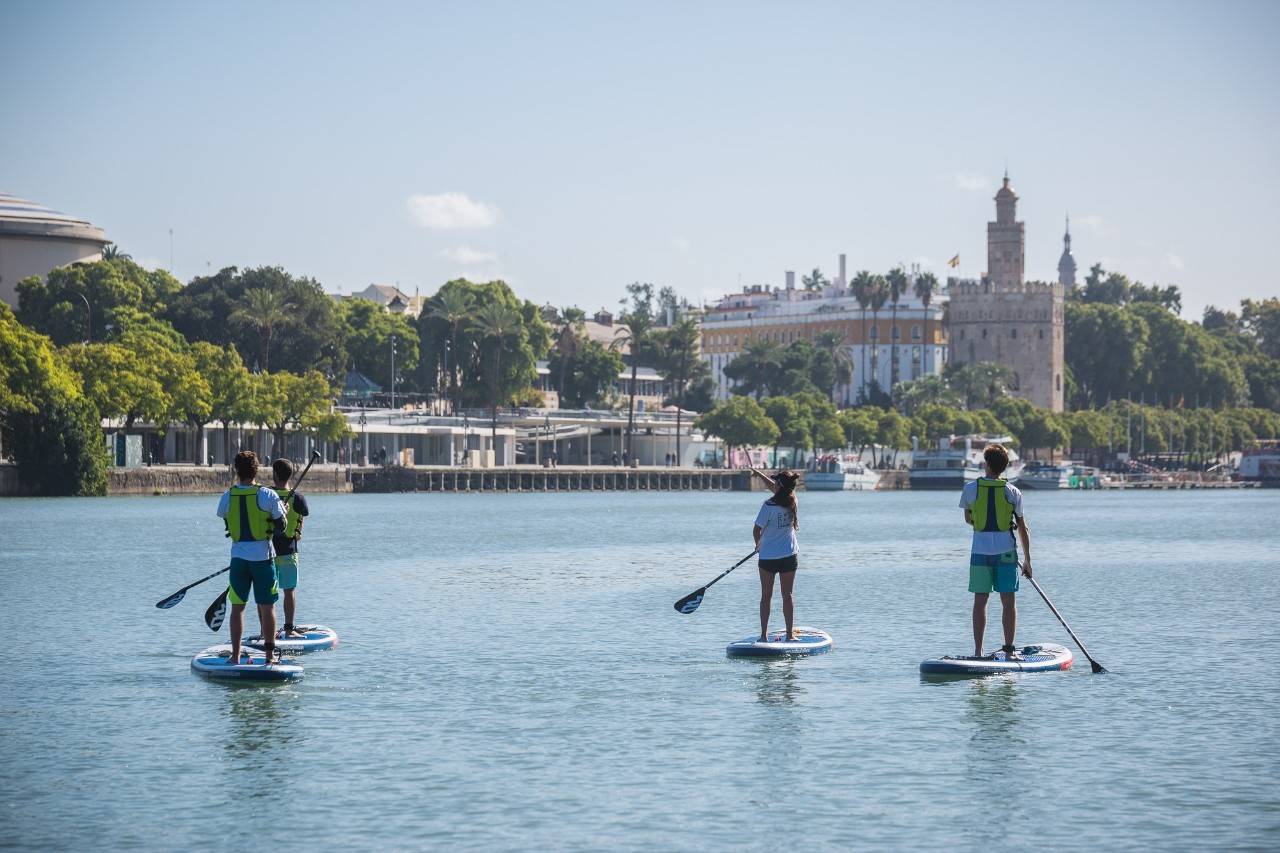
x=773, y=484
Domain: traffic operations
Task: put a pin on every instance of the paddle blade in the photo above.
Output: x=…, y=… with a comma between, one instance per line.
x=691, y=602
x=217, y=612
x=166, y=603
x=1097, y=667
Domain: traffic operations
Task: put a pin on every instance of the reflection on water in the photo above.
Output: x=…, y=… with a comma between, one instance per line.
x=777, y=682
x=260, y=721
x=992, y=704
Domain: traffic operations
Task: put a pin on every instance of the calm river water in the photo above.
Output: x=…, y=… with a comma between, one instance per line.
x=512, y=676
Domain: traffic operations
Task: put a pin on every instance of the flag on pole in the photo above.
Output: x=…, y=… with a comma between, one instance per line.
x=954, y=262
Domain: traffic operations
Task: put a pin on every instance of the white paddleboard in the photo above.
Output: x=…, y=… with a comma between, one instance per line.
x=315, y=638
x=1045, y=657
x=809, y=641
x=215, y=662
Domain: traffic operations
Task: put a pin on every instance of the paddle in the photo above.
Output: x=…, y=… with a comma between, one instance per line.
x=1097, y=667
x=171, y=601
x=217, y=612
x=690, y=602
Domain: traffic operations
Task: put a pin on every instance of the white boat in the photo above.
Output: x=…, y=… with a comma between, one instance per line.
x=958, y=460
x=1261, y=463
x=840, y=472
x=1047, y=475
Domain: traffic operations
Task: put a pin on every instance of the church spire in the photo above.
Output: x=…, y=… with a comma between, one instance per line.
x=1067, y=263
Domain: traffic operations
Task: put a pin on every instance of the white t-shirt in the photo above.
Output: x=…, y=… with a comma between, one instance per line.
x=777, y=536
x=256, y=552
x=997, y=542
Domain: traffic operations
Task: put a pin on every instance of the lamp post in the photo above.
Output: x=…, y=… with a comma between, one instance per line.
x=393, y=371
x=546, y=425
x=466, y=434
x=364, y=447
x=88, y=318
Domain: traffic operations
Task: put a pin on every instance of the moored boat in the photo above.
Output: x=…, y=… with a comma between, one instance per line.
x=958, y=460
x=1261, y=463
x=834, y=472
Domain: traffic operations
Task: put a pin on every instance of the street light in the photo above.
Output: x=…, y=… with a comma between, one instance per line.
x=393, y=371
x=88, y=318
x=364, y=446
x=546, y=425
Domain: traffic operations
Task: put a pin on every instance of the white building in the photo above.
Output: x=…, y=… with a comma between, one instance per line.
x=35, y=239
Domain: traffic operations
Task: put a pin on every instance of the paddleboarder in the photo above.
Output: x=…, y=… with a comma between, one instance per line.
x=775, y=537
x=252, y=513
x=993, y=508
x=285, y=544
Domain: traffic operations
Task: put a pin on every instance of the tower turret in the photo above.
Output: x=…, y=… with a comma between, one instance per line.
x=1006, y=242
x=1067, y=264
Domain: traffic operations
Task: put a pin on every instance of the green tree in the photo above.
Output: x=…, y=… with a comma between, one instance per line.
x=368, y=329
x=587, y=373
x=1260, y=320
x=679, y=360
x=638, y=321
x=1043, y=429
x=230, y=388
x=926, y=287
x=877, y=293
x=893, y=431
x=794, y=421
x=757, y=370
x=282, y=402
x=1105, y=350
x=119, y=384
x=81, y=302
x=981, y=383
x=832, y=344
x=739, y=422
x=897, y=281
x=46, y=424
x=930, y=389
x=814, y=280
x=859, y=426
x=862, y=287
x=265, y=310
x=497, y=325
x=440, y=328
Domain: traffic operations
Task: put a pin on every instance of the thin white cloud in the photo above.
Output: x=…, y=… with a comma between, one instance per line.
x=680, y=244
x=448, y=211
x=1175, y=261
x=468, y=256
x=1093, y=222
x=972, y=183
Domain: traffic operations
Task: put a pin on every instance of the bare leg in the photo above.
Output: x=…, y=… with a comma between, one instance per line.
x=787, y=581
x=766, y=599
x=290, y=606
x=1008, y=615
x=267, y=616
x=237, y=628
x=979, y=620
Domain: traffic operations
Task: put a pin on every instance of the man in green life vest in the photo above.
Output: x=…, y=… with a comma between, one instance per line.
x=286, y=543
x=993, y=508
x=252, y=513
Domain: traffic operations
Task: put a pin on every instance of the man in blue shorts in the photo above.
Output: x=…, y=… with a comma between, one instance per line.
x=994, y=509
x=252, y=513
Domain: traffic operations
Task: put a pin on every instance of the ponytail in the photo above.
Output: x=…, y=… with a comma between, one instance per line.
x=785, y=496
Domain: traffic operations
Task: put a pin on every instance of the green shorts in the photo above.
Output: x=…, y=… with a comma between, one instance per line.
x=287, y=570
x=258, y=574
x=993, y=572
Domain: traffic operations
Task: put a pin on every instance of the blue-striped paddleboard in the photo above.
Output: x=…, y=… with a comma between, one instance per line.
x=809, y=641
x=215, y=662
x=316, y=638
x=1045, y=657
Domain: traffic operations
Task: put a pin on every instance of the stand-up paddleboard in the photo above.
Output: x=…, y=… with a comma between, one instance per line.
x=316, y=638
x=215, y=662
x=1041, y=658
x=809, y=641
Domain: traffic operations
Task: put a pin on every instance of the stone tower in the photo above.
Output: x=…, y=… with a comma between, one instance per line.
x=1004, y=319
x=1067, y=264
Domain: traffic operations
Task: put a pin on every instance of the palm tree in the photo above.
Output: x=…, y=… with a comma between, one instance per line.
x=861, y=287
x=451, y=306
x=833, y=343
x=568, y=340
x=814, y=280
x=264, y=309
x=637, y=329
x=925, y=287
x=680, y=356
x=878, y=292
x=500, y=323
x=111, y=252
x=897, y=279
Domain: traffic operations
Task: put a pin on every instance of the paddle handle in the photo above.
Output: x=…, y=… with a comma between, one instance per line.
x=1097, y=667
x=731, y=568
x=202, y=580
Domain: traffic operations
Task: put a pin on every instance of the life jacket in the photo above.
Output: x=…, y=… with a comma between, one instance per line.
x=992, y=512
x=292, y=519
x=245, y=520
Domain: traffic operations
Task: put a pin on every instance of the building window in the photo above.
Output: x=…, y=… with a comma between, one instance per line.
x=962, y=334
x=1041, y=333
x=984, y=334
x=915, y=333
x=875, y=333
x=1013, y=333
x=1057, y=381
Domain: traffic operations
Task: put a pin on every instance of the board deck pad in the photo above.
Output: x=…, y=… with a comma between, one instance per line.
x=215, y=662
x=317, y=638
x=809, y=641
x=1043, y=657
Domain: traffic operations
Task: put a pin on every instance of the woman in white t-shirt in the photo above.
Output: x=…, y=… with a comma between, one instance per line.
x=775, y=535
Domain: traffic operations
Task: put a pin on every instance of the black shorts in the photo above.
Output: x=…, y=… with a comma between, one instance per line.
x=781, y=565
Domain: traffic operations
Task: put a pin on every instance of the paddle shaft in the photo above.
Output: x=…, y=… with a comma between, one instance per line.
x=217, y=611
x=1097, y=667
x=178, y=595
x=731, y=568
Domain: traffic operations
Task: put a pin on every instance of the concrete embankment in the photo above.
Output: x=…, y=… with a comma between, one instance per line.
x=562, y=479
x=192, y=480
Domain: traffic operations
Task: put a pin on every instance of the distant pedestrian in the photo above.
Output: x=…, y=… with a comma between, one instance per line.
x=625, y=457
x=778, y=551
x=615, y=457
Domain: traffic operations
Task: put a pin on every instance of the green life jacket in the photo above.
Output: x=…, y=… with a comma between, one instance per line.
x=992, y=512
x=292, y=519
x=245, y=520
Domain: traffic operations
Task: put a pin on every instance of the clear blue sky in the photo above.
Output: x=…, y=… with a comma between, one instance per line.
x=576, y=147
